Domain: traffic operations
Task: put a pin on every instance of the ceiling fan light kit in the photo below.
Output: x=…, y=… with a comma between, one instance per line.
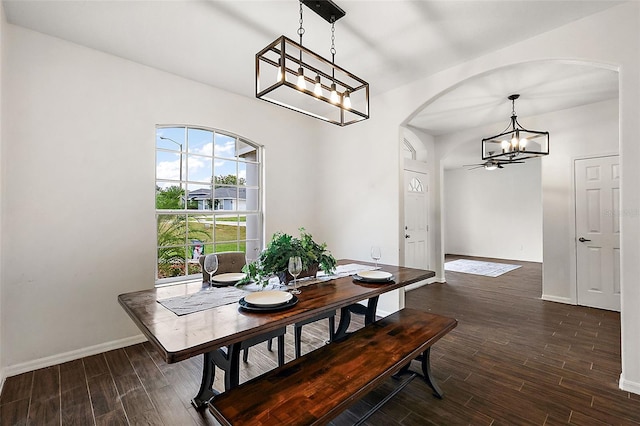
x=515, y=142
x=492, y=164
x=292, y=76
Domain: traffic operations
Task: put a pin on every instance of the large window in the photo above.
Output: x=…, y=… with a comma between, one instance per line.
x=208, y=198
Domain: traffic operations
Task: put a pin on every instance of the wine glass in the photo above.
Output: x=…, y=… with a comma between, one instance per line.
x=211, y=266
x=376, y=254
x=295, y=268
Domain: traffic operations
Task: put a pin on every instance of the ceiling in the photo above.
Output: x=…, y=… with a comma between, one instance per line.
x=544, y=87
x=389, y=43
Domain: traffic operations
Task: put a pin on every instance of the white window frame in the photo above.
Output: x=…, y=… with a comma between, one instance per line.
x=255, y=216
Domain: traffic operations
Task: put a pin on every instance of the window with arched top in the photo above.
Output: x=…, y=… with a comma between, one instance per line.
x=208, y=198
x=415, y=185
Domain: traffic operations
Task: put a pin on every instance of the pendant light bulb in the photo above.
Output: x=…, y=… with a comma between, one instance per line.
x=505, y=146
x=280, y=75
x=334, y=94
x=302, y=85
x=523, y=144
x=317, y=89
x=346, y=100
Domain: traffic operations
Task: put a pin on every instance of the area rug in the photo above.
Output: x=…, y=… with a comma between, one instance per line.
x=476, y=267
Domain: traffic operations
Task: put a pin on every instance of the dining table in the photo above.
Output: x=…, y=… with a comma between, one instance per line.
x=219, y=331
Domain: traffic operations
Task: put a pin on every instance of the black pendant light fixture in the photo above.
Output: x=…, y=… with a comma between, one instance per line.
x=515, y=142
x=292, y=76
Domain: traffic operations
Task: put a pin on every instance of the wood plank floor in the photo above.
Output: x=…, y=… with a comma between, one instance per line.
x=513, y=360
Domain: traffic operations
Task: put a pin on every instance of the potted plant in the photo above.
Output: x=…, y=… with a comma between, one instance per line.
x=273, y=261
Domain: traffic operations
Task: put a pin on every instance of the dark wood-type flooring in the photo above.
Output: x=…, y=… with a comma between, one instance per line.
x=513, y=359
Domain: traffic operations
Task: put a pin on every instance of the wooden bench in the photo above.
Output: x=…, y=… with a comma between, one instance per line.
x=318, y=386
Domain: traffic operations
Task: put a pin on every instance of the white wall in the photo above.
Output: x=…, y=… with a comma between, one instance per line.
x=586, y=131
x=365, y=210
x=495, y=213
x=3, y=24
x=78, y=194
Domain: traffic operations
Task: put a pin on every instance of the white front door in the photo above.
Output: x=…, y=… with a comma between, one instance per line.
x=597, y=183
x=416, y=213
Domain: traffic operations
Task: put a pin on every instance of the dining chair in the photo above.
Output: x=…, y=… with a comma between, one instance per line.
x=230, y=262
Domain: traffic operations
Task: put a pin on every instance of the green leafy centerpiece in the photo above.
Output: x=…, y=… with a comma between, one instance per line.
x=274, y=259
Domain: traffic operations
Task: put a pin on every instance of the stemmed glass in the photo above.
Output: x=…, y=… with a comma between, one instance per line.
x=295, y=268
x=211, y=266
x=376, y=254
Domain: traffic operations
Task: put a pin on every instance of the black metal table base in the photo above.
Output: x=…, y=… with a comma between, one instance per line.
x=228, y=360
x=368, y=311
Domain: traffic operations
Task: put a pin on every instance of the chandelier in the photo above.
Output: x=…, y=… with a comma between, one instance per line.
x=292, y=76
x=515, y=142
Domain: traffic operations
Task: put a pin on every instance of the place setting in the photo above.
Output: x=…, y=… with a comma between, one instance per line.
x=375, y=276
x=268, y=301
x=274, y=300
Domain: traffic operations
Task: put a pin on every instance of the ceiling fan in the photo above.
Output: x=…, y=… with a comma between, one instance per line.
x=492, y=164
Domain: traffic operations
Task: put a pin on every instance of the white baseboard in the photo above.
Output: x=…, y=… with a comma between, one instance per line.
x=629, y=386
x=423, y=283
x=565, y=300
x=3, y=377
x=381, y=314
x=12, y=370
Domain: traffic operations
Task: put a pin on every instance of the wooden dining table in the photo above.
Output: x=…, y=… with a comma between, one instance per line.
x=218, y=332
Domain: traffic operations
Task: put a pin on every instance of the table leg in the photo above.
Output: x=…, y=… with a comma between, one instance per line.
x=369, y=313
x=343, y=325
x=228, y=361
x=206, y=391
x=372, y=307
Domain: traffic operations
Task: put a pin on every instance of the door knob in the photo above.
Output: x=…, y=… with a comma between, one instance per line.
x=407, y=235
x=583, y=240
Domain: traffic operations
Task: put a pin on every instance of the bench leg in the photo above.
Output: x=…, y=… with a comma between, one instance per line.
x=206, y=391
x=404, y=370
x=428, y=377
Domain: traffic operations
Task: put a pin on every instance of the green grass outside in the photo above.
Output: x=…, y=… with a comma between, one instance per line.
x=232, y=219
x=231, y=239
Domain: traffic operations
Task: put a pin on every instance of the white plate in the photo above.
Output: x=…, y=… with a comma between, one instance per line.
x=268, y=298
x=231, y=277
x=375, y=275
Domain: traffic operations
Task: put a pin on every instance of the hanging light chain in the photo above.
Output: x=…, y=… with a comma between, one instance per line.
x=333, y=39
x=301, y=29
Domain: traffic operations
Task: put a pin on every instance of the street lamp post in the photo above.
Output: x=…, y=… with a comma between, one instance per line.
x=180, y=145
